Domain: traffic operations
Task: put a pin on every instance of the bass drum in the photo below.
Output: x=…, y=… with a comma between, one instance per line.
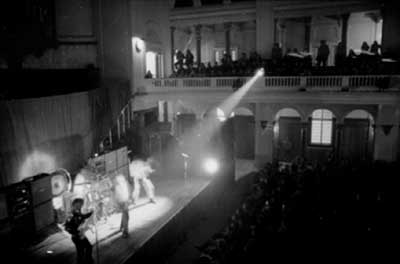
x=60, y=182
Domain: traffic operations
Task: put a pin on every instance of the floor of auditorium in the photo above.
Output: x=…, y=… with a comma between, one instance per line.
x=145, y=220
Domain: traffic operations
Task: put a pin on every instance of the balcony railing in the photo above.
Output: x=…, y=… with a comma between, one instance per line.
x=289, y=83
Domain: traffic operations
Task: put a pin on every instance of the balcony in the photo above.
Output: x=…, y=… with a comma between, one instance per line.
x=354, y=83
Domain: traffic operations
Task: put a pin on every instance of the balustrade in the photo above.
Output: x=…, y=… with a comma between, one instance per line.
x=270, y=82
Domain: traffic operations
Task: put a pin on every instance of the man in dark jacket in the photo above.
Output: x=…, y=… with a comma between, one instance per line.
x=74, y=226
x=323, y=54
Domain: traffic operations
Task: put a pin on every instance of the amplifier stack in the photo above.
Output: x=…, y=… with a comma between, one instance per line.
x=26, y=207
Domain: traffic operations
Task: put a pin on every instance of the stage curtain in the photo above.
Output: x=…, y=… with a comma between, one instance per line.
x=43, y=134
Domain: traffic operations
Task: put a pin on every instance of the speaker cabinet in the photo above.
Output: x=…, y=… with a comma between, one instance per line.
x=3, y=206
x=43, y=215
x=41, y=189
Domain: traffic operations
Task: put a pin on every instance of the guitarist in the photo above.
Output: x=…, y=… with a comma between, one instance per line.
x=74, y=226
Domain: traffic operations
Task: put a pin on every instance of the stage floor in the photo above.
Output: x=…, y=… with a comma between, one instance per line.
x=172, y=195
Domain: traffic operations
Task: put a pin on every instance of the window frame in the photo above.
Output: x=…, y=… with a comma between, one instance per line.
x=321, y=120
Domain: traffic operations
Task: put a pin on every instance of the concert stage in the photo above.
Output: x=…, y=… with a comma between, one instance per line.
x=146, y=220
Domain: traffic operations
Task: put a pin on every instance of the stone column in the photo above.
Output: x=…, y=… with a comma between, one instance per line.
x=227, y=28
x=198, y=43
x=345, y=25
x=264, y=138
x=303, y=137
x=391, y=28
x=338, y=140
x=307, y=35
x=172, y=32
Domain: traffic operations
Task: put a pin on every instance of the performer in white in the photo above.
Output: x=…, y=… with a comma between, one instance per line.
x=140, y=170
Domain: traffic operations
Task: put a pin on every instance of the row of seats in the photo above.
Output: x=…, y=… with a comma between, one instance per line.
x=337, y=198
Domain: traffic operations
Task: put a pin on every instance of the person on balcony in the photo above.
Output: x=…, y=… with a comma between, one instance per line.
x=179, y=60
x=189, y=59
x=340, y=55
x=148, y=75
x=364, y=47
x=375, y=47
x=323, y=54
x=276, y=53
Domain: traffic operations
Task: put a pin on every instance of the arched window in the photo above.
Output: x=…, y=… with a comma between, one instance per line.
x=321, y=127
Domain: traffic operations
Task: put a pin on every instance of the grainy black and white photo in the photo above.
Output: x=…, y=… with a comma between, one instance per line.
x=197, y=131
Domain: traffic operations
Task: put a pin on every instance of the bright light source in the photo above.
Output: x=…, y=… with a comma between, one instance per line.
x=221, y=115
x=185, y=155
x=211, y=165
x=139, y=44
x=260, y=72
x=49, y=251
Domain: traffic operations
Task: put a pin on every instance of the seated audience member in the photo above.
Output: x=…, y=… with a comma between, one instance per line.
x=375, y=47
x=179, y=57
x=364, y=46
x=148, y=75
x=189, y=59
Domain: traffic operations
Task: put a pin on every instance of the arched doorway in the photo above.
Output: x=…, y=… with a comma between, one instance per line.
x=357, y=136
x=287, y=135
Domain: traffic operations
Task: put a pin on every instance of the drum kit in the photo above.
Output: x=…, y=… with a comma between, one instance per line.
x=95, y=188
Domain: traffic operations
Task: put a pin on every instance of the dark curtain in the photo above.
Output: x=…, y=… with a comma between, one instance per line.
x=43, y=134
x=355, y=140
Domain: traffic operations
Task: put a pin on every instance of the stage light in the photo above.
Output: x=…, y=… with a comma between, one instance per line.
x=185, y=155
x=49, y=252
x=260, y=72
x=221, y=115
x=211, y=165
x=139, y=44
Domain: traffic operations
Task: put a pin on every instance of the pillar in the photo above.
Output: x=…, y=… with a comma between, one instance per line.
x=264, y=138
x=391, y=28
x=228, y=27
x=307, y=35
x=338, y=139
x=264, y=28
x=345, y=26
x=172, y=32
x=303, y=138
x=198, y=43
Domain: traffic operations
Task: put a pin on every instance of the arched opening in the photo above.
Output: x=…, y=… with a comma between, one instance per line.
x=321, y=140
x=356, y=141
x=287, y=135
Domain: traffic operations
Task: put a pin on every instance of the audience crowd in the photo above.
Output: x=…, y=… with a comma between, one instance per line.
x=368, y=60
x=339, y=198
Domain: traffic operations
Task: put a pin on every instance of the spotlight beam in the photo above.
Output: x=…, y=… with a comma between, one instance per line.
x=196, y=138
x=229, y=104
